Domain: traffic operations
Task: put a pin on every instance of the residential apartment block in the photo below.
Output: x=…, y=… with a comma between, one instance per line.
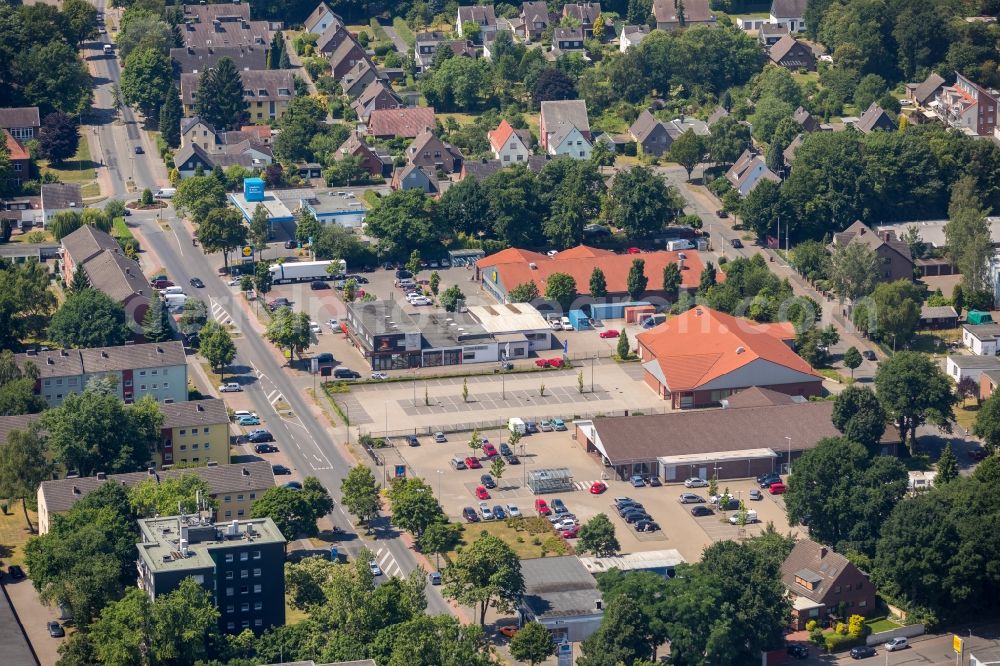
x=240, y=563
x=969, y=107
x=108, y=270
x=194, y=432
x=233, y=487
x=265, y=92
x=157, y=369
x=223, y=24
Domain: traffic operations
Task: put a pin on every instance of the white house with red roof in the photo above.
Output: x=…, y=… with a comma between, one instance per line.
x=703, y=356
x=509, y=145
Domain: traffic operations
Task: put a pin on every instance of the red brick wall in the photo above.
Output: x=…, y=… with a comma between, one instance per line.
x=986, y=387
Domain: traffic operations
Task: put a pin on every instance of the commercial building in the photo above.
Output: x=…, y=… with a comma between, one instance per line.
x=515, y=321
x=157, y=369
x=757, y=432
x=343, y=208
x=194, y=432
x=661, y=562
x=821, y=582
x=253, y=195
x=501, y=272
x=240, y=563
x=703, y=356
x=233, y=487
x=561, y=595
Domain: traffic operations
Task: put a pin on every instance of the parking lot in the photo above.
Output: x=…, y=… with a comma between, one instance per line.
x=679, y=529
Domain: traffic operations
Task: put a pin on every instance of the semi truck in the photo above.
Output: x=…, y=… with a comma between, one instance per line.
x=307, y=271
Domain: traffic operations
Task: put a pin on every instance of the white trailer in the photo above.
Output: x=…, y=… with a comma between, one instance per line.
x=307, y=271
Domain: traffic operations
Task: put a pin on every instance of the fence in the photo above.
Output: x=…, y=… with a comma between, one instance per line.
x=907, y=632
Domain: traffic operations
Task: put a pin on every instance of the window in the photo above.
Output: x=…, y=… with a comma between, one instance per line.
x=258, y=605
x=253, y=496
x=229, y=557
x=836, y=590
x=156, y=386
x=256, y=573
x=166, y=385
x=244, y=556
x=244, y=573
x=142, y=387
x=229, y=591
x=183, y=432
x=256, y=554
x=256, y=589
x=245, y=624
x=230, y=608
x=240, y=513
x=184, y=447
x=152, y=372
x=847, y=588
x=244, y=589
x=194, y=446
x=231, y=626
x=229, y=575
x=862, y=604
x=228, y=498
x=229, y=514
x=244, y=607
x=194, y=431
x=258, y=623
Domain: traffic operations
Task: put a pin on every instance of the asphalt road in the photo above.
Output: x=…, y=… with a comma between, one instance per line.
x=309, y=444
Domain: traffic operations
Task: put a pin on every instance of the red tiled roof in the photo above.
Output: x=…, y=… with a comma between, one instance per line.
x=407, y=122
x=702, y=344
x=500, y=135
x=16, y=150
x=513, y=267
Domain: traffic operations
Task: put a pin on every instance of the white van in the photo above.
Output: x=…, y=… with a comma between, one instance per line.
x=682, y=244
x=566, y=324
x=751, y=517
x=175, y=301
x=167, y=291
x=165, y=193
x=516, y=425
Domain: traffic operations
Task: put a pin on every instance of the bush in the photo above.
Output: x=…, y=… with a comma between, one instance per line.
x=816, y=635
x=810, y=625
x=835, y=642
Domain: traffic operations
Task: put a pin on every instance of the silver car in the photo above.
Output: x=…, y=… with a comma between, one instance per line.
x=695, y=482
x=485, y=511
x=513, y=511
x=691, y=498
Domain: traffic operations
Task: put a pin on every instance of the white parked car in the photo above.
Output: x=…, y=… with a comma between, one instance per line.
x=314, y=327
x=751, y=518
x=422, y=300
x=230, y=387
x=333, y=324
x=897, y=644
x=564, y=524
x=695, y=482
x=379, y=375
x=513, y=511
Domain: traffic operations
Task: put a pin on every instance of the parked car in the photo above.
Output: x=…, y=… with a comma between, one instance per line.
x=798, y=651
x=654, y=481
x=375, y=568
x=863, y=652
x=637, y=481
x=439, y=437
x=265, y=448
x=558, y=424
x=508, y=630
x=609, y=333
x=197, y=283
x=279, y=303
x=15, y=571
x=248, y=421
x=542, y=507
x=485, y=511
x=701, y=510
x=899, y=643
x=564, y=524
x=721, y=213
x=512, y=459
x=55, y=629
x=412, y=440
x=161, y=283
x=558, y=506
x=499, y=513
x=777, y=489
x=751, y=518
x=434, y=577
x=326, y=358
x=241, y=413
x=482, y=493
x=489, y=450
x=512, y=510
x=691, y=498
x=598, y=487
x=570, y=532
x=736, y=243
x=625, y=508
x=230, y=387
x=695, y=482
x=646, y=525
x=294, y=485
x=487, y=481
x=756, y=494
x=470, y=515
x=258, y=436
x=290, y=245
x=545, y=425
x=318, y=285
x=505, y=449
x=531, y=427
x=635, y=516
x=473, y=463
x=766, y=483
x=139, y=150
x=869, y=355
x=280, y=470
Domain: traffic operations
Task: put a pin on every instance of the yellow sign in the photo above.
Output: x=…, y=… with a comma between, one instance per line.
x=247, y=250
x=957, y=643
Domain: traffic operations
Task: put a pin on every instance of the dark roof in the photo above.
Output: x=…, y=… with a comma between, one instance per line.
x=15, y=650
x=559, y=587
x=875, y=118
x=814, y=563
x=61, y=495
x=117, y=276
x=59, y=196
x=643, y=126
x=758, y=396
x=193, y=59
x=926, y=91
x=585, y=12
x=317, y=14
x=20, y=422
x=783, y=47
x=535, y=12
x=87, y=242
x=427, y=139
x=68, y=362
x=695, y=11
x=278, y=85
x=223, y=24
x=707, y=431
x=483, y=14
x=481, y=168
x=194, y=413
x=788, y=8
x=333, y=37
x=805, y=119
x=859, y=232
x=21, y=116
x=938, y=312
x=716, y=115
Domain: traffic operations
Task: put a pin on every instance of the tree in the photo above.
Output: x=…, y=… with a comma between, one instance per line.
x=156, y=322
x=486, y=573
x=728, y=140
x=64, y=223
x=193, y=316
x=623, y=350
x=198, y=195
x=145, y=80
x=89, y=319
x=621, y=638
x=897, y=310
x=707, y=279
x=775, y=157
x=262, y=278
x=452, y=299
x=81, y=20
x=967, y=234
x=435, y=282
x=687, y=150
x=967, y=388
x=551, y=85
x=277, y=51
x=947, y=467
x=637, y=281
x=597, y=536
x=958, y=299
x=526, y=292
x=671, y=280
x=260, y=229
x=80, y=280
x=95, y=431
x=497, y=468
x=808, y=257
x=858, y=414
x=289, y=330
x=307, y=227
x=640, y=203
x=533, y=644
x=295, y=512
x=215, y=344
x=360, y=493
x=853, y=271
x=168, y=496
x=414, y=262
x=403, y=220
x=23, y=466
x=222, y=231
x=414, y=507
x=53, y=77
x=987, y=423
x=59, y=137
x=598, y=283
x=913, y=390
x=561, y=288
x=220, y=96
x=171, y=113
x=852, y=359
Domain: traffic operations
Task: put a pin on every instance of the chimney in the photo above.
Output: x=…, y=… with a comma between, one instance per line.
x=740, y=350
x=151, y=471
x=599, y=605
x=887, y=236
x=101, y=476
x=76, y=490
x=159, y=350
x=63, y=352
x=104, y=354
x=190, y=49
x=823, y=551
x=199, y=408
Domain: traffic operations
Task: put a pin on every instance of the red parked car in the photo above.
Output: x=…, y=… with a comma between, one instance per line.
x=777, y=489
x=482, y=493
x=489, y=450
x=472, y=463
x=634, y=250
x=571, y=533
x=542, y=362
x=555, y=363
x=598, y=487
x=610, y=333
x=542, y=508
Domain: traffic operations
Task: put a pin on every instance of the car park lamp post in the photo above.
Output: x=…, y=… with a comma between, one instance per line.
x=789, y=440
x=439, y=485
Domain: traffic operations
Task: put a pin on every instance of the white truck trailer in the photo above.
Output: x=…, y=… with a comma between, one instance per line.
x=307, y=271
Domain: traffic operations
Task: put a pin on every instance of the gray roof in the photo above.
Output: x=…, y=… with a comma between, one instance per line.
x=21, y=116
x=859, y=232
x=788, y=8
x=69, y=362
x=223, y=24
x=980, y=331
x=938, y=312
x=19, y=422
x=695, y=11
x=322, y=9
x=783, y=47
x=333, y=37
x=14, y=647
x=482, y=14
x=975, y=362
x=559, y=587
x=278, y=85
x=805, y=119
x=758, y=396
x=87, y=242
x=59, y=196
x=200, y=58
x=585, y=12
x=194, y=413
x=382, y=317
x=718, y=114
x=567, y=111
x=534, y=12
x=643, y=126
x=926, y=91
x=159, y=541
x=815, y=563
x=117, y=276
x=875, y=118
x=62, y=494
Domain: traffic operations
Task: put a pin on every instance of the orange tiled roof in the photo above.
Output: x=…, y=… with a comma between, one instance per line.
x=14, y=147
x=499, y=136
x=702, y=344
x=513, y=267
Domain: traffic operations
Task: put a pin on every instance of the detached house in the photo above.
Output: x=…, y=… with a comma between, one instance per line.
x=875, y=119
x=510, y=145
x=58, y=197
x=20, y=159
x=405, y=123
x=805, y=120
x=789, y=13
x=430, y=152
x=820, y=582
x=585, y=13
x=650, y=135
x=564, y=128
x=670, y=15
x=359, y=77
x=631, y=36
x=922, y=94
x=371, y=161
x=321, y=18
x=22, y=122
x=536, y=19
x=377, y=95
x=566, y=40
x=482, y=15
x=790, y=53
x=749, y=170
x=413, y=177
x=896, y=262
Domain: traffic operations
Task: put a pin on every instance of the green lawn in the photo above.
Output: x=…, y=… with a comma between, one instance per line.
x=14, y=533
x=520, y=534
x=404, y=30
x=965, y=415
x=79, y=169
x=879, y=624
x=119, y=229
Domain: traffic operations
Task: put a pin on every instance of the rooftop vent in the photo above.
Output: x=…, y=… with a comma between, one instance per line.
x=50, y=361
x=101, y=476
x=63, y=352
x=199, y=408
x=245, y=472
x=104, y=354
x=740, y=350
x=76, y=490
x=533, y=266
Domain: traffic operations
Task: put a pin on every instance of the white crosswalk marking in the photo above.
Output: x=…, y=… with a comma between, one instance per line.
x=387, y=563
x=583, y=485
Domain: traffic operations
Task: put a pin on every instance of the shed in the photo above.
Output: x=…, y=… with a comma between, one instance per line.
x=612, y=310
x=977, y=317
x=552, y=480
x=636, y=313
x=579, y=320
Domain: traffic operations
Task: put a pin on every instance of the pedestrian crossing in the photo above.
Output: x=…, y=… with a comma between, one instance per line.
x=275, y=397
x=388, y=563
x=584, y=485
x=220, y=314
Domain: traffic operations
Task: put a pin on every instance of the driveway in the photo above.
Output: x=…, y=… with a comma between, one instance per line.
x=34, y=616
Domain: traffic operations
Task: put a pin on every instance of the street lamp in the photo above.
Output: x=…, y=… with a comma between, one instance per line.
x=789, y=440
x=439, y=485
x=592, y=372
